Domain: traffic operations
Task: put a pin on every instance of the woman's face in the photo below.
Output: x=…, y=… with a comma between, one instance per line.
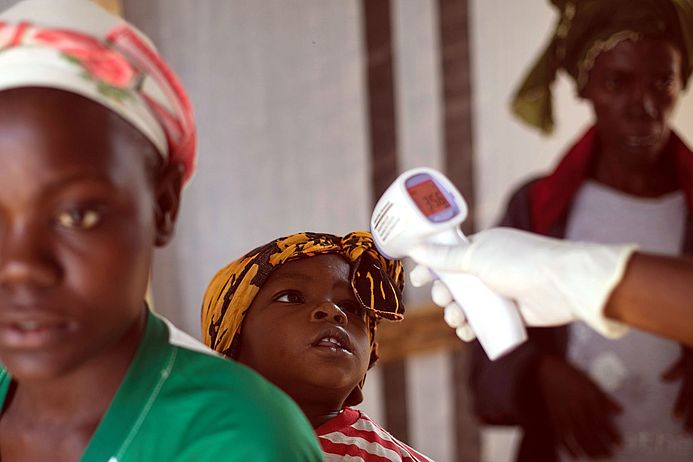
x=633, y=89
x=78, y=220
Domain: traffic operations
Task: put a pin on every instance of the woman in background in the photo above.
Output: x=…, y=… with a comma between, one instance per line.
x=628, y=179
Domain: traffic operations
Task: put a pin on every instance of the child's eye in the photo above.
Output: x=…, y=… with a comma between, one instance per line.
x=79, y=218
x=290, y=297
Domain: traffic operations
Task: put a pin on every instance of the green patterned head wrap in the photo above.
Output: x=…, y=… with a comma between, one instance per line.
x=586, y=28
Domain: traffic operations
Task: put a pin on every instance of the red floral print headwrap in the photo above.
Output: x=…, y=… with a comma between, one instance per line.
x=77, y=46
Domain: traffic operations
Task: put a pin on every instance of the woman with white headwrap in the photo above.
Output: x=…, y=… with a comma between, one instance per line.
x=97, y=138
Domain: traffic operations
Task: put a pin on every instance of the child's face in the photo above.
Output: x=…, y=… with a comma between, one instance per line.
x=77, y=227
x=289, y=331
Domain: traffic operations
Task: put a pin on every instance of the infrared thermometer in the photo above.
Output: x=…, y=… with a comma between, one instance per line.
x=423, y=206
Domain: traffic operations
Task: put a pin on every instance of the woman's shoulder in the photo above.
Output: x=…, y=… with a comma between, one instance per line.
x=228, y=405
x=221, y=392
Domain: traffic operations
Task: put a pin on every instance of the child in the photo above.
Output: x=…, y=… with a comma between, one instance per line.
x=96, y=140
x=302, y=311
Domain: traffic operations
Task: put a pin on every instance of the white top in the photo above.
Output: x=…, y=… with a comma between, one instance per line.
x=629, y=368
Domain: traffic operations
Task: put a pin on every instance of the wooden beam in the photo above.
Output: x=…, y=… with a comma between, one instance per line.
x=377, y=26
x=113, y=6
x=457, y=100
x=422, y=331
x=381, y=95
x=453, y=21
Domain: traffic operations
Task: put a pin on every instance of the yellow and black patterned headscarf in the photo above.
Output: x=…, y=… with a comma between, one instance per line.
x=377, y=283
x=586, y=28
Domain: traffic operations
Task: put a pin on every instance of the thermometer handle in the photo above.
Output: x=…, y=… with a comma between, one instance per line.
x=494, y=319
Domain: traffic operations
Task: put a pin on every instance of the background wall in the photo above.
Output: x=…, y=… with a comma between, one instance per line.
x=277, y=87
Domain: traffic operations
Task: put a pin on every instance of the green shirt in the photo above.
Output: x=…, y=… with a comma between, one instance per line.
x=179, y=401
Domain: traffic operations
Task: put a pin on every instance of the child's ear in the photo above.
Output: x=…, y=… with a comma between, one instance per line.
x=169, y=183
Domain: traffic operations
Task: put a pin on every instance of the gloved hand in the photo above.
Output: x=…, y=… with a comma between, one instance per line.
x=452, y=313
x=552, y=281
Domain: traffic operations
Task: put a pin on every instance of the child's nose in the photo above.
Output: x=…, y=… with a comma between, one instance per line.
x=329, y=311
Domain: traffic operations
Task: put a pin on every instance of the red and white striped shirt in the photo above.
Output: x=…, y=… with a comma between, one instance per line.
x=352, y=436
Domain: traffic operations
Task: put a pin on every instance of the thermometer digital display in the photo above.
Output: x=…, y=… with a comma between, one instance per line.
x=423, y=206
x=431, y=199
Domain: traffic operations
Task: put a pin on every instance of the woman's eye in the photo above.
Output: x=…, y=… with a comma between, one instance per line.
x=664, y=83
x=290, y=297
x=612, y=84
x=79, y=218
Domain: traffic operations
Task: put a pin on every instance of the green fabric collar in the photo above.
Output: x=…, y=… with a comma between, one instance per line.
x=148, y=372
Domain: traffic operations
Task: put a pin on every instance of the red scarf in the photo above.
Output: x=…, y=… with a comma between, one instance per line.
x=551, y=196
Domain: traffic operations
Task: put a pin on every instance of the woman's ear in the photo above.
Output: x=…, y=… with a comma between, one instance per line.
x=167, y=191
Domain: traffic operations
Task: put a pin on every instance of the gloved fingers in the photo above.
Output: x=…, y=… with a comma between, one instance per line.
x=465, y=333
x=440, y=257
x=454, y=316
x=441, y=294
x=420, y=276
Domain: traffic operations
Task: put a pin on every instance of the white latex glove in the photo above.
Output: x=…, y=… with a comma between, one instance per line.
x=552, y=281
x=452, y=313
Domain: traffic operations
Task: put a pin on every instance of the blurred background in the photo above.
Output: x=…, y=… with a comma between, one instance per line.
x=308, y=109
